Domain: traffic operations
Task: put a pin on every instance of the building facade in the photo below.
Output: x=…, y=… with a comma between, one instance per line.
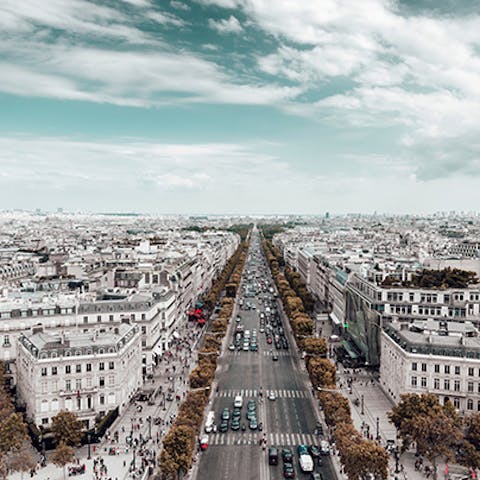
x=86, y=373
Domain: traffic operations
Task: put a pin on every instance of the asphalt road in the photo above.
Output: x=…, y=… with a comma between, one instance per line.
x=288, y=421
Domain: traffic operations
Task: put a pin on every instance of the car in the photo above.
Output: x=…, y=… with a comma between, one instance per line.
x=315, y=476
x=235, y=424
x=246, y=347
x=236, y=413
x=253, y=347
x=226, y=414
x=275, y=357
x=324, y=447
x=287, y=455
x=272, y=396
x=251, y=404
x=302, y=450
x=231, y=347
x=251, y=414
x=239, y=318
x=314, y=451
x=273, y=456
x=288, y=470
x=253, y=424
x=269, y=340
x=223, y=426
x=262, y=330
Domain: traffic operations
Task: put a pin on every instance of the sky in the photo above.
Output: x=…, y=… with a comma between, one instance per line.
x=240, y=106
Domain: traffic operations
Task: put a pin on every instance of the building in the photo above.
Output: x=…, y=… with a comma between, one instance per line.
x=429, y=356
x=86, y=373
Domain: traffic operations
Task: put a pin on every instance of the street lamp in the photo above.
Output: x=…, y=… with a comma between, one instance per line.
x=378, y=428
x=149, y=427
x=362, y=400
x=397, y=458
x=88, y=440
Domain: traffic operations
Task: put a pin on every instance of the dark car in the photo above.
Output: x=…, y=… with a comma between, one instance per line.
x=288, y=470
x=314, y=451
x=235, y=424
x=223, y=426
x=287, y=455
x=272, y=456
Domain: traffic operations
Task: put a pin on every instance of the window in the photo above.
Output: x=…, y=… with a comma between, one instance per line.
x=436, y=368
x=89, y=367
x=110, y=318
x=457, y=370
x=470, y=387
x=78, y=384
x=424, y=367
x=102, y=400
x=85, y=319
x=436, y=383
x=144, y=329
x=424, y=381
x=44, y=371
x=101, y=366
x=78, y=368
x=89, y=382
x=68, y=369
x=143, y=316
x=111, y=365
x=111, y=380
x=44, y=387
x=102, y=381
x=471, y=371
x=469, y=404
x=446, y=384
x=54, y=370
x=6, y=341
x=456, y=385
x=44, y=421
x=68, y=385
x=414, y=366
x=456, y=403
x=447, y=368
x=99, y=318
x=414, y=381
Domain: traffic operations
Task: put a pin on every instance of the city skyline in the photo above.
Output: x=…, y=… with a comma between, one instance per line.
x=240, y=106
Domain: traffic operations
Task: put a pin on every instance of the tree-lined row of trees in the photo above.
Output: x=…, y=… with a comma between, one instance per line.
x=437, y=431
x=358, y=455
x=179, y=443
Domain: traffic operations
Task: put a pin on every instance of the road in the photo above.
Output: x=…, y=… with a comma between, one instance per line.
x=288, y=421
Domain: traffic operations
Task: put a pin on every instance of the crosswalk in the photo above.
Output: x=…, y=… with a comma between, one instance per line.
x=254, y=393
x=252, y=438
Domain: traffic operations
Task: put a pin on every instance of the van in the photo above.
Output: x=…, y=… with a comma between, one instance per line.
x=209, y=422
x=238, y=402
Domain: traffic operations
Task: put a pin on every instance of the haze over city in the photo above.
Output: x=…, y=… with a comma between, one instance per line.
x=240, y=106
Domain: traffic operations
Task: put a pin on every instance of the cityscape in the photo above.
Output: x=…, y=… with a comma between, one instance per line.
x=239, y=239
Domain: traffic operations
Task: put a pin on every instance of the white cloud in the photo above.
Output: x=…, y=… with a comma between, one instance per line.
x=165, y=18
x=179, y=5
x=224, y=25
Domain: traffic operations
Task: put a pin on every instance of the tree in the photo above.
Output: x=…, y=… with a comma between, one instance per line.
x=322, y=372
x=22, y=460
x=63, y=455
x=13, y=432
x=336, y=408
x=179, y=443
x=435, y=435
x=67, y=428
x=315, y=346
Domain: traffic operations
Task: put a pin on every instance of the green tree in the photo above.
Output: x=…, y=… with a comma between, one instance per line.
x=67, y=428
x=63, y=455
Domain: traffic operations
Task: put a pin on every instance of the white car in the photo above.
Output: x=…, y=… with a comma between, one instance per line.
x=272, y=396
x=231, y=347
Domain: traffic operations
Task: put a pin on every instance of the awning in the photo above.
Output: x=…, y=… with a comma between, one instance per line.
x=335, y=319
x=349, y=349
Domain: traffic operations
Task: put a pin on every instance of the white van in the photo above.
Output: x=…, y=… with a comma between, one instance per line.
x=238, y=402
x=209, y=422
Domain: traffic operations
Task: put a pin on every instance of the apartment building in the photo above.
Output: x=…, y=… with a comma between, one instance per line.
x=429, y=356
x=86, y=373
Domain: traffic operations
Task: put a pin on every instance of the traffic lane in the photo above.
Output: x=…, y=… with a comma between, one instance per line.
x=241, y=372
x=222, y=462
x=279, y=374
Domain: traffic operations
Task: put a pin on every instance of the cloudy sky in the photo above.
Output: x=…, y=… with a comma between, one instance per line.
x=240, y=106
